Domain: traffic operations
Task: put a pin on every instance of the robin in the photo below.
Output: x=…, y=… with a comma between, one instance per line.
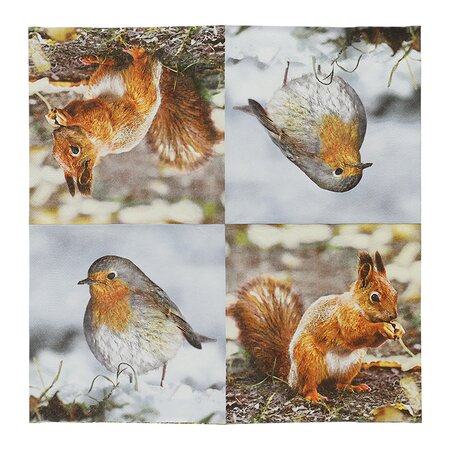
x=129, y=319
x=319, y=127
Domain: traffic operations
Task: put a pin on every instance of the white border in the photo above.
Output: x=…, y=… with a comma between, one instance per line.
x=17, y=16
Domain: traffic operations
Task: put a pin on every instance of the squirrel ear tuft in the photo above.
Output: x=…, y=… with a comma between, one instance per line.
x=85, y=180
x=365, y=268
x=70, y=183
x=365, y=274
x=379, y=264
x=364, y=258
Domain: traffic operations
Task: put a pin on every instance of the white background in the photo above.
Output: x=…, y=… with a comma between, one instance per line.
x=16, y=432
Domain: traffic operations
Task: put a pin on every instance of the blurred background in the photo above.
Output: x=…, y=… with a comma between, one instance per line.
x=322, y=260
x=130, y=187
x=263, y=186
x=176, y=258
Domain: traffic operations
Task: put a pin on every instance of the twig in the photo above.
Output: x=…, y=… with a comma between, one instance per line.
x=44, y=393
x=100, y=376
x=407, y=350
x=47, y=104
x=119, y=372
x=406, y=53
x=38, y=370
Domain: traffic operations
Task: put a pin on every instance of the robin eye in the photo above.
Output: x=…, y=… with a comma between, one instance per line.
x=74, y=150
x=375, y=297
x=338, y=171
x=111, y=275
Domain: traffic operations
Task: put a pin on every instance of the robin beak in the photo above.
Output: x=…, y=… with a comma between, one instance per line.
x=88, y=281
x=363, y=166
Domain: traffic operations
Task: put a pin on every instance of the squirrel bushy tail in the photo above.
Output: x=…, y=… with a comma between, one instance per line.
x=267, y=312
x=182, y=133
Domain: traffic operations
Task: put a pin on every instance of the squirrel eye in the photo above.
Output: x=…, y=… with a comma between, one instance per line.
x=375, y=297
x=75, y=150
x=111, y=275
x=338, y=171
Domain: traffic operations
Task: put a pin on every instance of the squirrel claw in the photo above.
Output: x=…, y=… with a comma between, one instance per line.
x=135, y=52
x=353, y=387
x=57, y=117
x=399, y=331
x=51, y=118
x=94, y=60
x=315, y=397
x=387, y=330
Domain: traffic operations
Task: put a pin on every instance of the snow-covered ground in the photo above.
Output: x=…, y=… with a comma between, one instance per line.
x=186, y=261
x=263, y=186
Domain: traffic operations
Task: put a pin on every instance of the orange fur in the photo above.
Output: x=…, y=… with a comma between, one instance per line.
x=340, y=143
x=104, y=124
x=267, y=312
x=110, y=303
x=339, y=324
x=182, y=133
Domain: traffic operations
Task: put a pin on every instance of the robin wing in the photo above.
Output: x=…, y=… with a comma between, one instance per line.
x=155, y=296
x=286, y=143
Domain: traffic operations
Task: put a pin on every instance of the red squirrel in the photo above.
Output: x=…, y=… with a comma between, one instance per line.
x=326, y=342
x=123, y=105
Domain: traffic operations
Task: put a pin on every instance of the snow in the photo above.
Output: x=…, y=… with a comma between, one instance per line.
x=264, y=187
x=176, y=258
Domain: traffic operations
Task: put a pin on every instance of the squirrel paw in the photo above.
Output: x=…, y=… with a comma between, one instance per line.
x=315, y=397
x=353, y=387
x=399, y=331
x=94, y=60
x=56, y=117
x=387, y=330
x=135, y=52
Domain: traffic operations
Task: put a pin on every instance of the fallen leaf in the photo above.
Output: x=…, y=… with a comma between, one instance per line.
x=402, y=362
x=397, y=412
x=411, y=390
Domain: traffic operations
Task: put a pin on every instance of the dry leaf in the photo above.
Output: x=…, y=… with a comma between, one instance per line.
x=37, y=55
x=397, y=412
x=411, y=390
x=402, y=362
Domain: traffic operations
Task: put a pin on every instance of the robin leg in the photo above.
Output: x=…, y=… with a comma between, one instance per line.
x=163, y=374
x=286, y=74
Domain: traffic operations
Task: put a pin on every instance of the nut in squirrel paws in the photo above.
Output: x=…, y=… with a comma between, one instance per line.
x=399, y=331
x=387, y=330
x=56, y=117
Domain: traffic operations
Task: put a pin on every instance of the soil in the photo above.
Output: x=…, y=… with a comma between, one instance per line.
x=201, y=50
x=255, y=398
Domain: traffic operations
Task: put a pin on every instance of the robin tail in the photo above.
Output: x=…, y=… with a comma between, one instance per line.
x=196, y=340
x=267, y=313
x=182, y=133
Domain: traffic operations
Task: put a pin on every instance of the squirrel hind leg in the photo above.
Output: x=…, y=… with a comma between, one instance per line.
x=96, y=60
x=182, y=133
x=353, y=387
x=135, y=52
x=313, y=396
x=344, y=382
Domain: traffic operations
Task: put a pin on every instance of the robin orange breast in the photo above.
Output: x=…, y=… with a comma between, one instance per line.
x=319, y=127
x=129, y=319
